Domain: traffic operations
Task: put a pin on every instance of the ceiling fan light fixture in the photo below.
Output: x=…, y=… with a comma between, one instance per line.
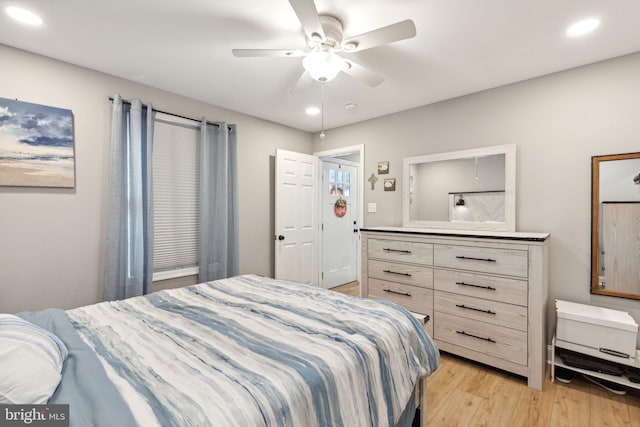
x=323, y=66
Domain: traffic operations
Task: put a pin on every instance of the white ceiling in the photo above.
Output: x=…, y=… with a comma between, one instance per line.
x=461, y=47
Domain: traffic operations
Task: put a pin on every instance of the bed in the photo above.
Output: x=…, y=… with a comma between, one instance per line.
x=243, y=351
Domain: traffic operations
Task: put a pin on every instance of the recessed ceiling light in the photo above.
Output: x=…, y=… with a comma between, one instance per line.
x=313, y=111
x=583, y=27
x=23, y=15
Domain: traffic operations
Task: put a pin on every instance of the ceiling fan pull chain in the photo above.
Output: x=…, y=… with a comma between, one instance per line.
x=322, y=135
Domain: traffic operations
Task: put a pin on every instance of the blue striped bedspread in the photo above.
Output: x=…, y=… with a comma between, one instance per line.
x=252, y=351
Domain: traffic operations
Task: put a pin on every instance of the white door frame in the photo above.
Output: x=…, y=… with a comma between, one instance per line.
x=333, y=153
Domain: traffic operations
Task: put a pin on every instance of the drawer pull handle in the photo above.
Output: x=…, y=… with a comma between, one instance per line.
x=395, y=272
x=475, y=259
x=475, y=309
x=489, y=288
x=614, y=353
x=475, y=336
x=426, y=319
x=397, y=293
x=396, y=250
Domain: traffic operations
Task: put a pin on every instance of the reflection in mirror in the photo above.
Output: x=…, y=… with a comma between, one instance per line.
x=471, y=189
x=615, y=234
x=460, y=189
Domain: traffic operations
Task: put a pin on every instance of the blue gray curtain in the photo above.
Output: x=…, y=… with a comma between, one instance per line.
x=219, y=249
x=129, y=259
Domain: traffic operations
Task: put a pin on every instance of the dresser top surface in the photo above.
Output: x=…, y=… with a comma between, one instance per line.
x=508, y=235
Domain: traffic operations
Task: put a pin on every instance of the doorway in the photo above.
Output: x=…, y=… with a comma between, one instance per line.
x=340, y=220
x=298, y=213
x=339, y=223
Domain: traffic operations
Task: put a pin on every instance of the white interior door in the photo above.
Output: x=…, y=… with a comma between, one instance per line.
x=339, y=228
x=296, y=217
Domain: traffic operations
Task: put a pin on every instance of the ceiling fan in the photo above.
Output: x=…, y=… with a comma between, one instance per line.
x=325, y=38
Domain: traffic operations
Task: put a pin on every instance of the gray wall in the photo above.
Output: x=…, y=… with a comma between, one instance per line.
x=52, y=241
x=557, y=122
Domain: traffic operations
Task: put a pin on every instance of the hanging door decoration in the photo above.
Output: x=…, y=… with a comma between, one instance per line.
x=340, y=207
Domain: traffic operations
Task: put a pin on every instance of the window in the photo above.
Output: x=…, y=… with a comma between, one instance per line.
x=176, y=181
x=339, y=183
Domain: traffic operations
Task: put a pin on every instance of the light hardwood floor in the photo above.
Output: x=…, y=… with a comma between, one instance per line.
x=465, y=393
x=352, y=289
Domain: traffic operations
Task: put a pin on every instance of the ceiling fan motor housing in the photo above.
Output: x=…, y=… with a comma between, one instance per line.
x=333, y=34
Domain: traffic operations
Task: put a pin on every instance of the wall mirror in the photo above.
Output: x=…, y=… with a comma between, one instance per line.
x=464, y=190
x=615, y=222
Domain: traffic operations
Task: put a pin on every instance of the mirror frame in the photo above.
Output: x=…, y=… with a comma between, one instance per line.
x=595, y=223
x=509, y=224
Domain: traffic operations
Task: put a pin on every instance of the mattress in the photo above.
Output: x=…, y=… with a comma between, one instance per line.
x=244, y=351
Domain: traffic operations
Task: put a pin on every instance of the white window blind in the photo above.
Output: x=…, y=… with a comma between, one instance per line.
x=176, y=180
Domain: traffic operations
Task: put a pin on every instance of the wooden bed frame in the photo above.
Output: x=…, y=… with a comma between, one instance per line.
x=421, y=401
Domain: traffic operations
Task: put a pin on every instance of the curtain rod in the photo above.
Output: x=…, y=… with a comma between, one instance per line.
x=124, y=101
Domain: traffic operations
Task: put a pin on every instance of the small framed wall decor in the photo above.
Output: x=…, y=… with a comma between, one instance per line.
x=36, y=145
x=383, y=168
x=390, y=184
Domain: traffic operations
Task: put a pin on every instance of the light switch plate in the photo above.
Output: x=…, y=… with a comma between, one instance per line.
x=372, y=207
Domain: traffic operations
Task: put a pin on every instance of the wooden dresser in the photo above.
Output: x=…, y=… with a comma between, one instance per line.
x=485, y=292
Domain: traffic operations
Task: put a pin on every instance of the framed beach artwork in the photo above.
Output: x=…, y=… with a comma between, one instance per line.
x=36, y=145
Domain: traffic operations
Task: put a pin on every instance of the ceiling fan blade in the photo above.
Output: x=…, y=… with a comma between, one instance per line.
x=308, y=17
x=391, y=33
x=303, y=83
x=280, y=53
x=363, y=74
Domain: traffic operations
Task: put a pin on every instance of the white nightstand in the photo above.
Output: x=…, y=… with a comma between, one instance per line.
x=599, y=332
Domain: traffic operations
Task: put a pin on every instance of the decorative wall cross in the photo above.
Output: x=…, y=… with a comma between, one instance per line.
x=372, y=179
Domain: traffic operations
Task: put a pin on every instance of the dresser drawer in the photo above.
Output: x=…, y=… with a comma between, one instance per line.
x=496, y=341
x=403, y=251
x=502, y=289
x=413, y=298
x=401, y=273
x=496, y=313
x=486, y=260
x=426, y=319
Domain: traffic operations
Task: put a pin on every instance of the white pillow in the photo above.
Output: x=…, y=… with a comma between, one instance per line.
x=31, y=359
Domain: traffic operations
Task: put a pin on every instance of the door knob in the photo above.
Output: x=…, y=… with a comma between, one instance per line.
x=280, y=237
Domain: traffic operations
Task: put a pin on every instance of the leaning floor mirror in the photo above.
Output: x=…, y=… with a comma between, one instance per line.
x=465, y=190
x=615, y=222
